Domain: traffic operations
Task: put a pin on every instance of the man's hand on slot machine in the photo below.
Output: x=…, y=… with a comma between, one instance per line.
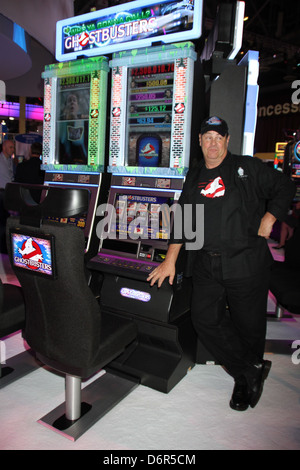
x=159, y=274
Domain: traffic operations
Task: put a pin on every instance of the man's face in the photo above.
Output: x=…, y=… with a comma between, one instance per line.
x=214, y=147
x=72, y=104
x=8, y=148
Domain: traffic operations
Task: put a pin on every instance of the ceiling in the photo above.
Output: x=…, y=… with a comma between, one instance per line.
x=272, y=29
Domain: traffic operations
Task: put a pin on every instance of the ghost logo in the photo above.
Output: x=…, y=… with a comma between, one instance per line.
x=148, y=151
x=31, y=253
x=84, y=39
x=214, y=189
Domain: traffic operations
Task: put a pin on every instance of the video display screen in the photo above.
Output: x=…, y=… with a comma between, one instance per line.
x=149, y=116
x=72, y=125
x=128, y=26
x=296, y=161
x=33, y=253
x=142, y=217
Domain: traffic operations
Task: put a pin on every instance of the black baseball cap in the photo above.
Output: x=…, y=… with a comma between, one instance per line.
x=214, y=123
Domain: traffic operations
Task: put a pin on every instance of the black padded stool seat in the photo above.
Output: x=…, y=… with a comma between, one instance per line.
x=64, y=324
x=115, y=332
x=12, y=309
x=12, y=319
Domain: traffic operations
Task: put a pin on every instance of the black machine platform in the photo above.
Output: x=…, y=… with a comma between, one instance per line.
x=166, y=345
x=162, y=355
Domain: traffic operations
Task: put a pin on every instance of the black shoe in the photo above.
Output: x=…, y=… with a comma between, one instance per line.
x=240, y=396
x=256, y=381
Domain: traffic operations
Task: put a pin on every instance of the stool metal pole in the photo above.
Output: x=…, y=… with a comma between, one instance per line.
x=73, y=397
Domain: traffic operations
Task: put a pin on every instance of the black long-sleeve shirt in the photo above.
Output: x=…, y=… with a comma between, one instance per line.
x=252, y=188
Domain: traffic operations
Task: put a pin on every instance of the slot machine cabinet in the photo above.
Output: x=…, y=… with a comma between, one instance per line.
x=74, y=133
x=131, y=246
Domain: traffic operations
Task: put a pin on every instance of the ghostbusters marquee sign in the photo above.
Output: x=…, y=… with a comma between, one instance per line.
x=132, y=25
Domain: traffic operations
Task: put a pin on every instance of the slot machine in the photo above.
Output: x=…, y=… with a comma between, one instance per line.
x=151, y=104
x=152, y=72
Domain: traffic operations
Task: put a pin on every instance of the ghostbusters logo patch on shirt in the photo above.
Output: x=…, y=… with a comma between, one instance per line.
x=215, y=188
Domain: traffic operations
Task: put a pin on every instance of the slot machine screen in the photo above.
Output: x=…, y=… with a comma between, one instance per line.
x=72, y=124
x=149, y=115
x=142, y=217
x=296, y=161
x=138, y=223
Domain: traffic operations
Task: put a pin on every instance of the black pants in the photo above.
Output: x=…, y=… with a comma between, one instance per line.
x=235, y=336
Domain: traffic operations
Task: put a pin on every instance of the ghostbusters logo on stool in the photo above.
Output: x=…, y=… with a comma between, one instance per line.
x=32, y=252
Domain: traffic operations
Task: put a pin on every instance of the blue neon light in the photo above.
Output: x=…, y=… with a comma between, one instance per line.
x=19, y=37
x=143, y=189
x=71, y=184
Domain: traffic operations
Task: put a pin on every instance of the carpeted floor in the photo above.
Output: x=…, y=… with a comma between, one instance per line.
x=194, y=416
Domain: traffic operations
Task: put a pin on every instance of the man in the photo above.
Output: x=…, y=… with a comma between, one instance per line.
x=6, y=163
x=230, y=273
x=29, y=171
x=6, y=176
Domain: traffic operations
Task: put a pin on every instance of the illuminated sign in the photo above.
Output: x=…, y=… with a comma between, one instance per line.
x=297, y=151
x=129, y=26
x=135, y=294
x=9, y=109
x=251, y=61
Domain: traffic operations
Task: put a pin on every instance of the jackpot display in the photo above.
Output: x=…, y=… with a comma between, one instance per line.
x=151, y=110
x=150, y=92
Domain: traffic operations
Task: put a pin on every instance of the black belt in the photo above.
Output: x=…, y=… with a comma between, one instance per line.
x=212, y=253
